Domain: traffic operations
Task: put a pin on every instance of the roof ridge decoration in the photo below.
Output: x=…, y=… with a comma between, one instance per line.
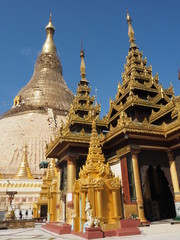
x=23, y=170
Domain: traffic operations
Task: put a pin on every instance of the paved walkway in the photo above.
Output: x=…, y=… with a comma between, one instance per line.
x=161, y=231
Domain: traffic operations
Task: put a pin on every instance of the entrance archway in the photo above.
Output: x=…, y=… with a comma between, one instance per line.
x=158, y=199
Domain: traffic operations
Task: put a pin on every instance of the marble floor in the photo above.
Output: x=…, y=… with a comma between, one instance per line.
x=164, y=231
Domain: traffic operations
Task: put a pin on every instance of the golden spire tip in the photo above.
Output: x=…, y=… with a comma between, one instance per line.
x=128, y=18
x=82, y=52
x=130, y=29
x=50, y=18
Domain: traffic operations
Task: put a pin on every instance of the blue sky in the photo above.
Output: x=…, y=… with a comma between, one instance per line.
x=101, y=24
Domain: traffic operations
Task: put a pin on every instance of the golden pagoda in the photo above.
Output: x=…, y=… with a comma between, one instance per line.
x=37, y=112
x=24, y=170
x=97, y=182
x=46, y=204
x=70, y=145
x=144, y=124
x=140, y=144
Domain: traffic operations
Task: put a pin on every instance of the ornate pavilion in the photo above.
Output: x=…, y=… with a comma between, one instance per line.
x=139, y=139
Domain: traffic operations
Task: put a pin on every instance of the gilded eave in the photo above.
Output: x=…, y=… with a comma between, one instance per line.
x=159, y=132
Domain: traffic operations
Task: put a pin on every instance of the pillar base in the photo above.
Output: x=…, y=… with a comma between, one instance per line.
x=92, y=233
x=177, y=207
x=58, y=228
x=128, y=227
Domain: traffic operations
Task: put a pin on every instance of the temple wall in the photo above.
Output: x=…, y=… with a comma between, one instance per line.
x=116, y=169
x=33, y=129
x=27, y=193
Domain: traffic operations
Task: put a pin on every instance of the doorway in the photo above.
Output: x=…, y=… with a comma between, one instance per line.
x=158, y=199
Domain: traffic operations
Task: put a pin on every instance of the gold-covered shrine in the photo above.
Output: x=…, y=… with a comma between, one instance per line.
x=97, y=182
x=140, y=142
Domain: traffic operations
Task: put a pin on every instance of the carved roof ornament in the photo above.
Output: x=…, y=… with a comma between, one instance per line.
x=24, y=170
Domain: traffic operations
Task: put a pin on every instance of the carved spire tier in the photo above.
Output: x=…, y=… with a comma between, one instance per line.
x=79, y=120
x=24, y=170
x=140, y=96
x=95, y=152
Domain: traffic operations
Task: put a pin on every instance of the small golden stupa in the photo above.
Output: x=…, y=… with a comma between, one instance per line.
x=99, y=186
x=46, y=204
x=24, y=170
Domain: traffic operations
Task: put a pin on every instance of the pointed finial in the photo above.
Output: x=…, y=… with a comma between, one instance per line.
x=95, y=151
x=49, y=46
x=130, y=29
x=96, y=96
x=50, y=18
x=82, y=67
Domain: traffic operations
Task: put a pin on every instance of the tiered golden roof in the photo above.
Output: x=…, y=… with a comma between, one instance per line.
x=141, y=103
x=78, y=122
x=24, y=170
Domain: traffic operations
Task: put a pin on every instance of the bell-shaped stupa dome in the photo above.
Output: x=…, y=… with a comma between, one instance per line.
x=38, y=109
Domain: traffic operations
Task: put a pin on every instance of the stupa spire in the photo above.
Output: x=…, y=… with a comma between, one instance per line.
x=24, y=170
x=82, y=67
x=95, y=151
x=130, y=29
x=49, y=46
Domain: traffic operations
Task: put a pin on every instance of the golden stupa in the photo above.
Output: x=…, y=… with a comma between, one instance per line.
x=97, y=182
x=38, y=109
x=46, y=204
x=24, y=170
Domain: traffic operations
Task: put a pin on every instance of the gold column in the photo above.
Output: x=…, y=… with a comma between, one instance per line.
x=174, y=176
x=99, y=203
x=76, y=211
x=76, y=208
x=48, y=210
x=83, y=205
x=71, y=174
x=51, y=208
x=71, y=177
x=139, y=198
x=115, y=203
x=54, y=206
